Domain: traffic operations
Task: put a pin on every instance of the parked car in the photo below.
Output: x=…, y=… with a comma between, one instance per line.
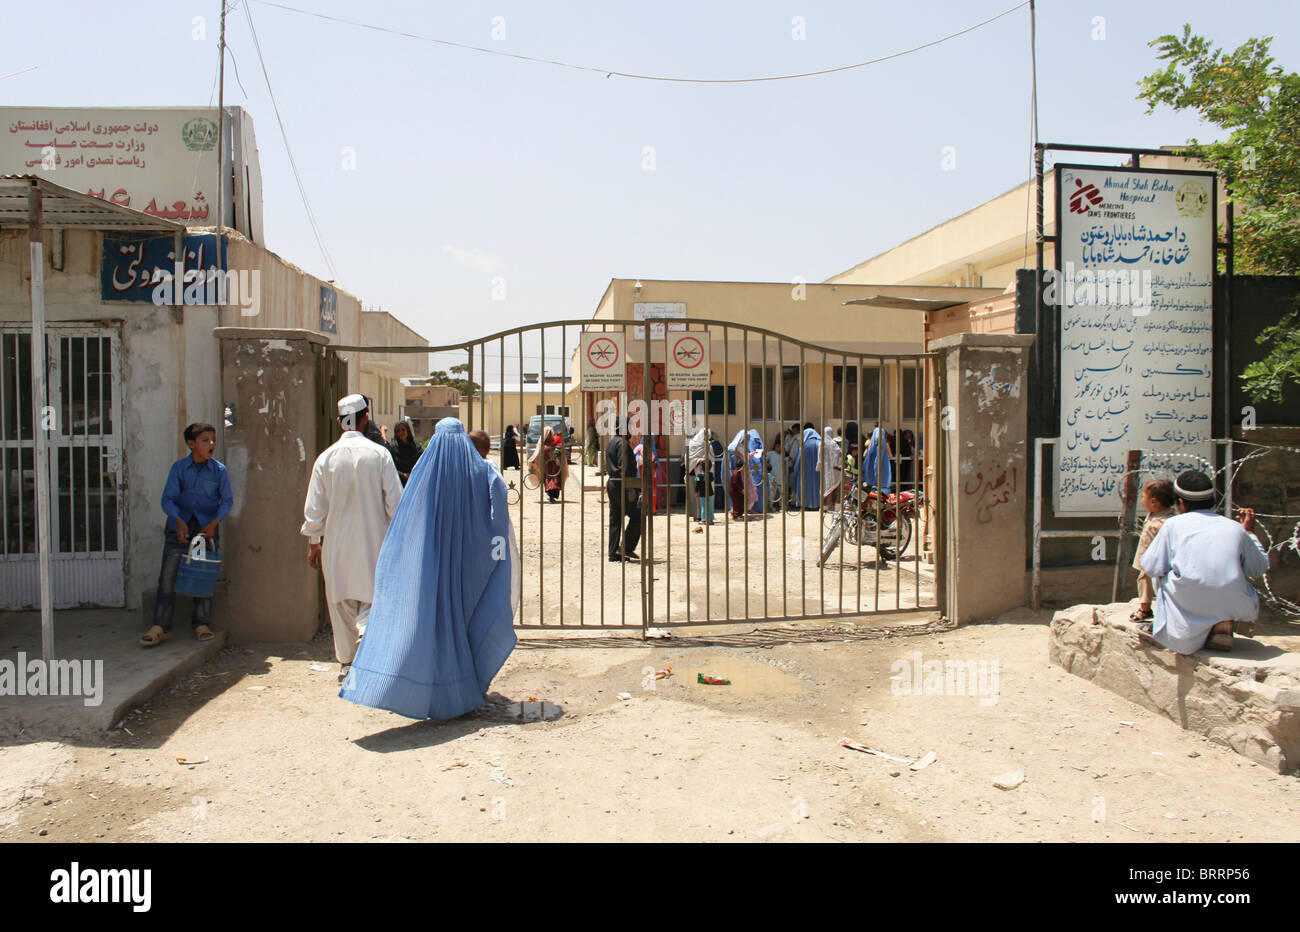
x=555, y=422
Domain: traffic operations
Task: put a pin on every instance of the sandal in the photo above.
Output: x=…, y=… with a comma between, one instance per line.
x=203, y=633
x=154, y=636
x=1221, y=640
x=1141, y=615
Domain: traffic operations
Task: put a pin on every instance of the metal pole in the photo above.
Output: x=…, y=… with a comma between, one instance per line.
x=36, y=244
x=1132, y=463
x=786, y=483
x=647, y=493
x=742, y=450
x=1228, y=261
x=1040, y=344
x=767, y=496
x=564, y=452
x=1036, y=600
x=802, y=489
x=221, y=131
x=726, y=476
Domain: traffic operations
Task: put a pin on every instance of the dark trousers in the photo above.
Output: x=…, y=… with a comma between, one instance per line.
x=174, y=550
x=619, y=507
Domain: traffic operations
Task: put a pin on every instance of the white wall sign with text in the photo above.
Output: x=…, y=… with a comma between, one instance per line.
x=688, y=361
x=670, y=311
x=1134, y=288
x=604, y=364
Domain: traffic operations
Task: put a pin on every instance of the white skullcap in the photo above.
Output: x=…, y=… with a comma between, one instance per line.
x=351, y=404
x=1199, y=495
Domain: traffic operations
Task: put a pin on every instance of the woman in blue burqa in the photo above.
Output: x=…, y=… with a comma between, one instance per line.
x=442, y=621
x=747, y=447
x=810, y=486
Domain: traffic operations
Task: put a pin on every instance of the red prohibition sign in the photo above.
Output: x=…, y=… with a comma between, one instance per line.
x=689, y=352
x=602, y=353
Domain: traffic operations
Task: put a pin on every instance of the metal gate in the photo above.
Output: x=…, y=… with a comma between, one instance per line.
x=767, y=565
x=82, y=417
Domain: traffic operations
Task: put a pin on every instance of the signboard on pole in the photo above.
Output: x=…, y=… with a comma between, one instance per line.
x=673, y=310
x=1134, y=290
x=604, y=364
x=688, y=361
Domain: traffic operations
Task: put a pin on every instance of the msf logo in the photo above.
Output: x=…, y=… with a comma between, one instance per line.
x=1083, y=198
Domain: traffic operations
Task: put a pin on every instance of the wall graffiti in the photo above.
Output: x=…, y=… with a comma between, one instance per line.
x=991, y=487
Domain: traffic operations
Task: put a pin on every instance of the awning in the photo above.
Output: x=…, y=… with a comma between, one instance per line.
x=65, y=209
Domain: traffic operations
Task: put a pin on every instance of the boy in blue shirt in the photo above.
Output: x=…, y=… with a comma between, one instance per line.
x=196, y=497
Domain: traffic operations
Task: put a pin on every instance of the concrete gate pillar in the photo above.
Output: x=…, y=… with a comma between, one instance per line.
x=269, y=385
x=984, y=495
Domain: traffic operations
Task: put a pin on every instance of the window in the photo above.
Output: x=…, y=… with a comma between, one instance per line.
x=847, y=382
x=789, y=408
x=910, y=378
x=762, y=404
x=715, y=400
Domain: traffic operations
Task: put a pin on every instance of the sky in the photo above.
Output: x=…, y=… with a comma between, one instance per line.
x=477, y=173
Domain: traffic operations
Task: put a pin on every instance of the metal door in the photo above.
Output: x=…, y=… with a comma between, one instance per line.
x=82, y=419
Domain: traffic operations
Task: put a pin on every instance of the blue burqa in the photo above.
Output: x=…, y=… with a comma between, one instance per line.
x=877, y=449
x=743, y=446
x=442, y=621
x=809, y=486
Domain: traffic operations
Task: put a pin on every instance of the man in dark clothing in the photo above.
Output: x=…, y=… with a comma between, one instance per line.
x=620, y=465
x=373, y=433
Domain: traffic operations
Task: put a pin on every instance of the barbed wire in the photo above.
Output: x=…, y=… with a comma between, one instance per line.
x=1279, y=544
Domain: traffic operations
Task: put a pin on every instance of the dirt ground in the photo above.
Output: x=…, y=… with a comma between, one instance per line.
x=761, y=566
x=758, y=760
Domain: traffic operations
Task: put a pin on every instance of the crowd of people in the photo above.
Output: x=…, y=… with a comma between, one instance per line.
x=421, y=562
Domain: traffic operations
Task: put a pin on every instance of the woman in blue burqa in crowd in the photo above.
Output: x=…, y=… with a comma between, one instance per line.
x=742, y=449
x=810, y=486
x=442, y=621
x=877, y=467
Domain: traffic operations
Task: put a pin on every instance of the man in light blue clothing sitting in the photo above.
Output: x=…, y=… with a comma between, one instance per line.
x=195, y=499
x=1200, y=564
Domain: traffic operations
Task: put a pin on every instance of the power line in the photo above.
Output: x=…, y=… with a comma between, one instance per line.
x=302, y=190
x=609, y=73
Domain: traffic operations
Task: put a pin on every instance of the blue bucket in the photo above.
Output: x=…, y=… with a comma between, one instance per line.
x=199, y=570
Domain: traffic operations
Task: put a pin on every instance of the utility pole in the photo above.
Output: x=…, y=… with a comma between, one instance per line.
x=221, y=131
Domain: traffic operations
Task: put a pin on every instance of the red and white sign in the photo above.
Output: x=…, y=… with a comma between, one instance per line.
x=604, y=364
x=688, y=361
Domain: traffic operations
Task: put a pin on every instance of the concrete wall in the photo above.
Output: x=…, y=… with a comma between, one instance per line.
x=171, y=372
x=381, y=373
x=169, y=379
x=271, y=379
x=290, y=299
x=984, y=492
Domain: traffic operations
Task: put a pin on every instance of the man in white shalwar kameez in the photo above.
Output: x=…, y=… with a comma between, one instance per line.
x=353, y=495
x=1200, y=563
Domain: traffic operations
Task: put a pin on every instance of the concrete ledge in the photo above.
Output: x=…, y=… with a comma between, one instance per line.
x=982, y=340
x=132, y=674
x=1247, y=700
x=258, y=333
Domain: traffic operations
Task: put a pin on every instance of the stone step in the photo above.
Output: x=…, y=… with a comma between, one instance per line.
x=1247, y=700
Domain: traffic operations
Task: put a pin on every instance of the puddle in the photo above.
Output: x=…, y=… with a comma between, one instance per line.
x=748, y=677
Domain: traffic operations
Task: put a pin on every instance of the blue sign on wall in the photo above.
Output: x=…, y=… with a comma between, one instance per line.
x=329, y=310
x=132, y=265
